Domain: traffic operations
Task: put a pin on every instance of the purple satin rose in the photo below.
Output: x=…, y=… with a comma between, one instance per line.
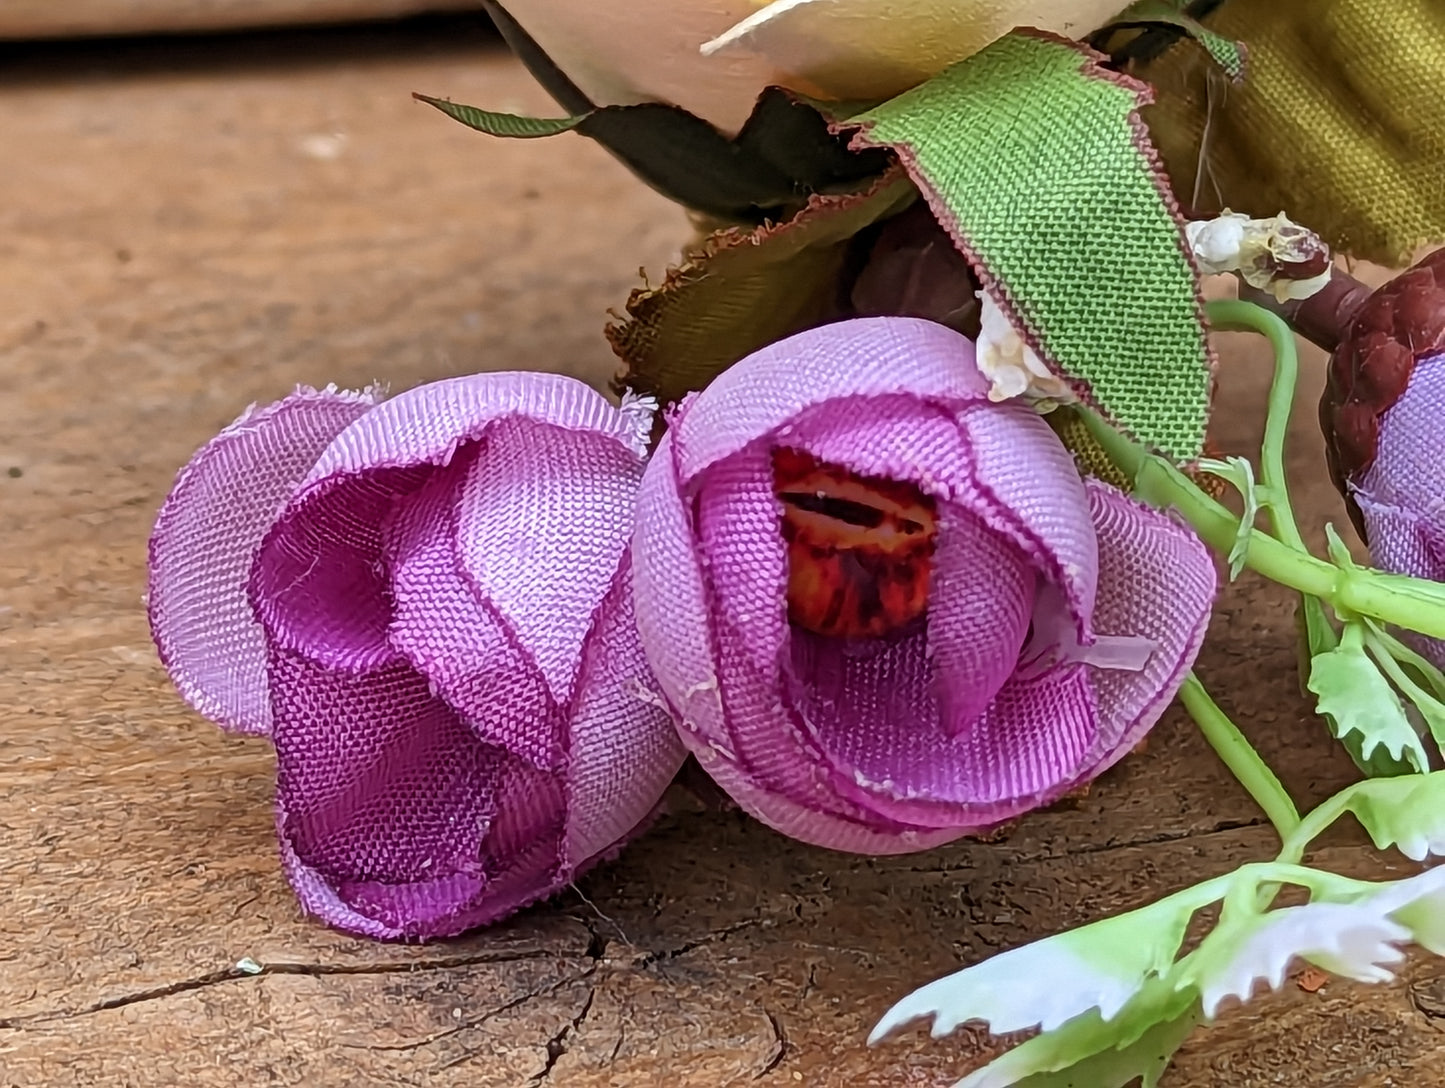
x=425, y=603
x=1061, y=616
x=1401, y=495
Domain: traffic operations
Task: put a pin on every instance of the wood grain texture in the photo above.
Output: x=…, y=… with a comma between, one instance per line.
x=21, y=19
x=178, y=240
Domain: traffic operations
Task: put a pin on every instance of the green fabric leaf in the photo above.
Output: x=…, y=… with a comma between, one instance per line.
x=1363, y=711
x=1229, y=54
x=745, y=289
x=785, y=152
x=509, y=125
x=1066, y=217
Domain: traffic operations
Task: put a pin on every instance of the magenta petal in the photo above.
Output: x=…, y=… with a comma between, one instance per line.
x=393, y=811
x=205, y=536
x=318, y=585
x=455, y=637
x=542, y=522
x=974, y=638
x=624, y=751
x=740, y=542
x=1156, y=580
x=865, y=357
x=895, y=437
x=960, y=720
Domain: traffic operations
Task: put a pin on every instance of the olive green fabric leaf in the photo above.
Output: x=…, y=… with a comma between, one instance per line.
x=1230, y=55
x=743, y=289
x=784, y=153
x=1033, y=157
x=680, y=155
x=1340, y=122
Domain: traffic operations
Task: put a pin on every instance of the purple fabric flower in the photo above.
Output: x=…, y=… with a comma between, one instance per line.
x=1401, y=496
x=1061, y=615
x=425, y=602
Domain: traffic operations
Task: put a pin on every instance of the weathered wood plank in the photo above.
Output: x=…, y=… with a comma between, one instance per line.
x=176, y=243
x=22, y=19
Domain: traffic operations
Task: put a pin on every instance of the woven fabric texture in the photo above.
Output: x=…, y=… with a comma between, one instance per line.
x=426, y=603
x=1339, y=121
x=1401, y=496
x=1061, y=615
x=1034, y=158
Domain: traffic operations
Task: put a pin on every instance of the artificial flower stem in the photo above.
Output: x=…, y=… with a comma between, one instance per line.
x=1240, y=757
x=1388, y=598
x=1231, y=316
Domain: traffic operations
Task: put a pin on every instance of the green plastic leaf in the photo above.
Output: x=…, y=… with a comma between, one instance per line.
x=1407, y=813
x=1239, y=472
x=1035, y=160
x=1045, y=984
x=1229, y=54
x=1424, y=672
x=1089, y=1052
x=1363, y=711
x=1430, y=709
x=744, y=289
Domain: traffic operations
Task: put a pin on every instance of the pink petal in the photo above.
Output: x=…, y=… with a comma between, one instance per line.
x=205, y=536
x=393, y=811
x=451, y=633
x=974, y=638
x=864, y=357
x=543, y=520
x=1156, y=580
x=428, y=424
x=671, y=602
x=1028, y=488
x=624, y=751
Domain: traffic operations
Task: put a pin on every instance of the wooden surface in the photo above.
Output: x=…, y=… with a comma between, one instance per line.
x=184, y=231
x=23, y=19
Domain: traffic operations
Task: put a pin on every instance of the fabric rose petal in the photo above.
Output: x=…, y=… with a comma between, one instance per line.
x=425, y=602
x=653, y=50
x=1401, y=495
x=1060, y=618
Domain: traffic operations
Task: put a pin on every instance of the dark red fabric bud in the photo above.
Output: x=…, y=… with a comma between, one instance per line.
x=1400, y=323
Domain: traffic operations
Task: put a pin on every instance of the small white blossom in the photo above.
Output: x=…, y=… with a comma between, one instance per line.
x=1256, y=249
x=1014, y=368
x=637, y=411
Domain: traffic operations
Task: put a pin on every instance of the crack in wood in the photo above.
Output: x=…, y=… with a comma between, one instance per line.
x=236, y=974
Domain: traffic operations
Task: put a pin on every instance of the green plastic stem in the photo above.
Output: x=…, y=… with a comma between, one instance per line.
x=1239, y=756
